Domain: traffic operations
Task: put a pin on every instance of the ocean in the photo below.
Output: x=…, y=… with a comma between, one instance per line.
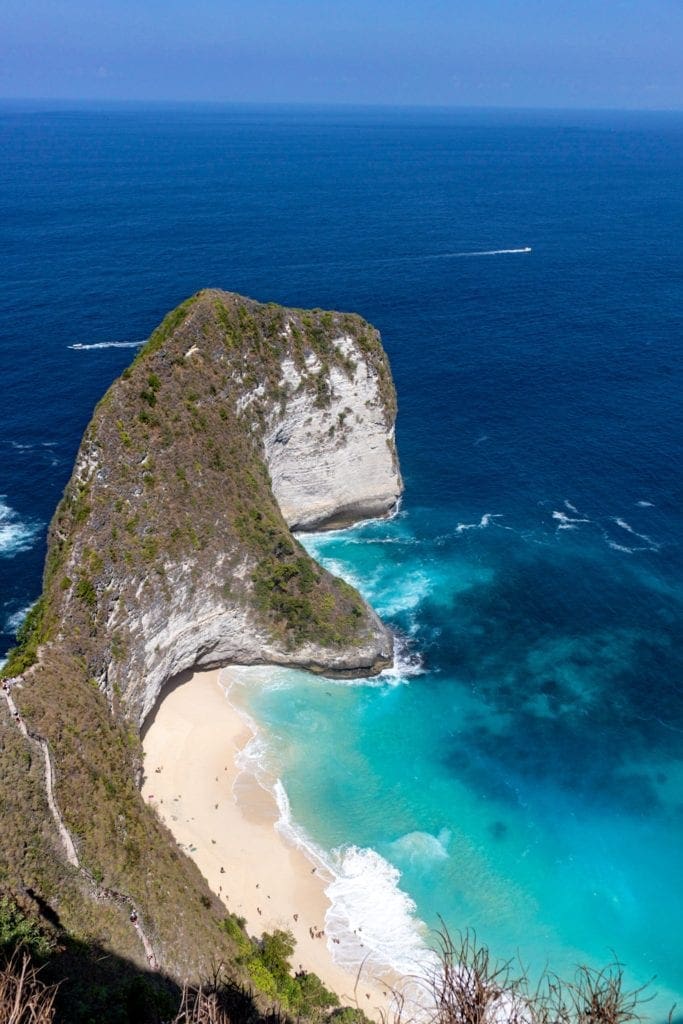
x=520, y=770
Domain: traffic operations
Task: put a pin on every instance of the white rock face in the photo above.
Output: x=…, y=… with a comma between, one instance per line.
x=334, y=465
x=324, y=423
x=194, y=630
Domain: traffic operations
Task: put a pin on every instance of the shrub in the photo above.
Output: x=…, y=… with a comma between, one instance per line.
x=17, y=930
x=31, y=633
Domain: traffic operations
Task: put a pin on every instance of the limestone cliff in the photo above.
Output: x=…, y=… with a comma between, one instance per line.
x=172, y=548
x=175, y=548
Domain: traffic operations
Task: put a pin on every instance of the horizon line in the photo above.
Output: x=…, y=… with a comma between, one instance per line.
x=337, y=105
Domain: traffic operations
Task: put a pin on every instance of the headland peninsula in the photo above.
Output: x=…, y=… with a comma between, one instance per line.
x=172, y=551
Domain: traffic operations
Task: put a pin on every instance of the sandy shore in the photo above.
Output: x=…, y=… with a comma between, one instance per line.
x=225, y=821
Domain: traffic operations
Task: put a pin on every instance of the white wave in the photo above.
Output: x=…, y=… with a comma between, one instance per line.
x=365, y=541
x=79, y=347
x=15, y=535
x=572, y=508
x=485, y=521
x=654, y=546
x=252, y=758
x=373, y=919
x=342, y=570
x=405, y=596
x=621, y=547
x=480, y=440
x=616, y=546
x=13, y=621
x=567, y=522
x=370, y=921
x=422, y=847
x=645, y=504
x=407, y=664
x=388, y=598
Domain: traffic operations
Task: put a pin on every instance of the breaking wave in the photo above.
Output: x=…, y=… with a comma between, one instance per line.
x=15, y=534
x=79, y=347
x=565, y=522
x=371, y=921
x=648, y=544
x=486, y=520
x=15, y=619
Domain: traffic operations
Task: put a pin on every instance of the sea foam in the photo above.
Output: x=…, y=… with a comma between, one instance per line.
x=80, y=347
x=371, y=916
x=370, y=921
x=641, y=536
x=486, y=520
x=565, y=522
x=15, y=619
x=648, y=544
x=15, y=534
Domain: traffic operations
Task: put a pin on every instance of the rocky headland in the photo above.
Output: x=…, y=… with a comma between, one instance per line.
x=173, y=549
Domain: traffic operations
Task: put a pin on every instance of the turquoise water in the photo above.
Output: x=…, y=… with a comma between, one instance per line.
x=421, y=766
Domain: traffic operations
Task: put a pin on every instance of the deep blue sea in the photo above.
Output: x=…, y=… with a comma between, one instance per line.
x=522, y=768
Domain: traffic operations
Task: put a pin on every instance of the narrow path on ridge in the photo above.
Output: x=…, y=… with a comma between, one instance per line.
x=97, y=891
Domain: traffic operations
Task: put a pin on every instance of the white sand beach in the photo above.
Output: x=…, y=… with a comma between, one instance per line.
x=225, y=821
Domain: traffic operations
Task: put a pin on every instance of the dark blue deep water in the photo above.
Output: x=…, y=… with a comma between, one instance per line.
x=529, y=781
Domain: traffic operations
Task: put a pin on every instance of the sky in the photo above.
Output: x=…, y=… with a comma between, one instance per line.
x=504, y=53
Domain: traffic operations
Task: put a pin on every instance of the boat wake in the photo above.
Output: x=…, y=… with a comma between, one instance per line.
x=479, y=252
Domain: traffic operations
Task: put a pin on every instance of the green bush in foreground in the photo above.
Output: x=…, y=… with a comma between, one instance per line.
x=268, y=964
x=18, y=931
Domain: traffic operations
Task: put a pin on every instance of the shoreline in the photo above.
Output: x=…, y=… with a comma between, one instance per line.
x=225, y=820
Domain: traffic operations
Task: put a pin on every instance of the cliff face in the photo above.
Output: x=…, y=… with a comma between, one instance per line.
x=173, y=543
x=334, y=463
x=171, y=549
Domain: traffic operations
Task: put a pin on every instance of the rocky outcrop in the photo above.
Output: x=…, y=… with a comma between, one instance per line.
x=172, y=547
x=333, y=466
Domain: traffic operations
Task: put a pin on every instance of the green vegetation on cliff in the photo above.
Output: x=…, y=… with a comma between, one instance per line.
x=176, y=443
x=170, y=496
